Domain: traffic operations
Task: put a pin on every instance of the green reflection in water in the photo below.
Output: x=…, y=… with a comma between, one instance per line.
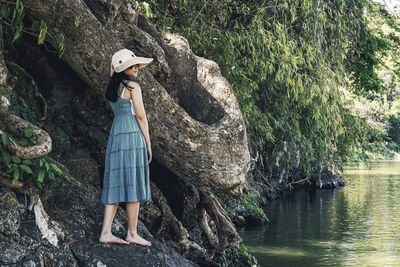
x=358, y=225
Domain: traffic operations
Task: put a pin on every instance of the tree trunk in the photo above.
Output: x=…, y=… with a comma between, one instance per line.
x=196, y=127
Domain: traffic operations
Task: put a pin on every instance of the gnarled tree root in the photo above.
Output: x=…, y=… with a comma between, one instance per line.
x=43, y=147
x=182, y=244
x=218, y=227
x=17, y=124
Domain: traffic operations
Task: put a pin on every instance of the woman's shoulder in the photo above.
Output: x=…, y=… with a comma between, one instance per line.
x=132, y=85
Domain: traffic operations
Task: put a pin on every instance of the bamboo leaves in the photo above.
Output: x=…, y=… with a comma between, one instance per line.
x=16, y=21
x=42, y=32
x=77, y=22
x=38, y=28
x=5, y=11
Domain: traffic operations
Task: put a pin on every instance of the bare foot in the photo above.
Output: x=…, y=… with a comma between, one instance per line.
x=137, y=239
x=111, y=239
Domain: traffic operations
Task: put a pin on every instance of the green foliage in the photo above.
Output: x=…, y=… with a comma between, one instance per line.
x=29, y=138
x=63, y=12
x=38, y=28
x=5, y=138
x=38, y=171
x=42, y=32
x=77, y=22
x=394, y=127
x=20, y=108
x=249, y=205
x=5, y=11
x=61, y=45
x=376, y=44
x=365, y=79
x=16, y=21
x=238, y=255
x=41, y=170
x=145, y=8
x=250, y=202
x=286, y=61
x=35, y=170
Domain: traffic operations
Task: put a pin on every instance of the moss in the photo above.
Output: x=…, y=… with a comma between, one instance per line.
x=252, y=209
x=248, y=206
x=237, y=255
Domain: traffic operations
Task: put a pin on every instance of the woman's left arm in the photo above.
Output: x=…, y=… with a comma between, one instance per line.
x=137, y=100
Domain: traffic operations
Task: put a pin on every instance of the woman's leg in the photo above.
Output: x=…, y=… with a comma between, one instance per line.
x=132, y=209
x=106, y=236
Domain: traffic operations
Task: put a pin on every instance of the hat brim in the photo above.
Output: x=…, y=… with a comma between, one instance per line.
x=141, y=61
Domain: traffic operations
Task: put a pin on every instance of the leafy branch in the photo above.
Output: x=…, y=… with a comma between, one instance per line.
x=13, y=13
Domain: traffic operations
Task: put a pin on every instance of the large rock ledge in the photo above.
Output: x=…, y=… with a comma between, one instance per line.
x=324, y=178
x=77, y=211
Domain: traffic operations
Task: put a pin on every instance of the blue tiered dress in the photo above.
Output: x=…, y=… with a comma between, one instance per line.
x=126, y=173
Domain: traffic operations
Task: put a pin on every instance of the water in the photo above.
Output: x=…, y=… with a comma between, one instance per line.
x=357, y=225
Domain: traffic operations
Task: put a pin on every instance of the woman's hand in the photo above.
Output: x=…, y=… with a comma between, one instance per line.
x=150, y=154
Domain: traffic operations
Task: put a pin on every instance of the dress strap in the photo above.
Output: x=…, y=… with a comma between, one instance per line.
x=126, y=85
x=122, y=91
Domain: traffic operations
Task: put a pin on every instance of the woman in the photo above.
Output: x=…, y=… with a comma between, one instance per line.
x=128, y=153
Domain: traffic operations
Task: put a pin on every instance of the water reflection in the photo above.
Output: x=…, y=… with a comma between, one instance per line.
x=358, y=225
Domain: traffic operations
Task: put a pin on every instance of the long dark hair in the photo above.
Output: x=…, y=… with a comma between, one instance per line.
x=113, y=85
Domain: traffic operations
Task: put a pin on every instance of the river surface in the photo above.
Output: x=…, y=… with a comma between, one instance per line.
x=356, y=225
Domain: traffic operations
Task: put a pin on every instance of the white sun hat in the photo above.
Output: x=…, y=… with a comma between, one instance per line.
x=124, y=58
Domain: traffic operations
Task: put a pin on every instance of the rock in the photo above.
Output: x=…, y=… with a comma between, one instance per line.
x=34, y=253
x=254, y=220
x=206, y=222
x=239, y=221
x=29, y=263
x=327, y=179
x=223, y=227
x=10, y=209
x=60, y=140
x=81, y=217
x=151, y=215
x=77, y=211
x=323, y=178
x=82, y=166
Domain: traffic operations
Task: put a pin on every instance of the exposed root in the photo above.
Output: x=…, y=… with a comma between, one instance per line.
x=17, y=124
x=209, y=228
x=182, y=243
x=225, y=229
x=43, y=147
